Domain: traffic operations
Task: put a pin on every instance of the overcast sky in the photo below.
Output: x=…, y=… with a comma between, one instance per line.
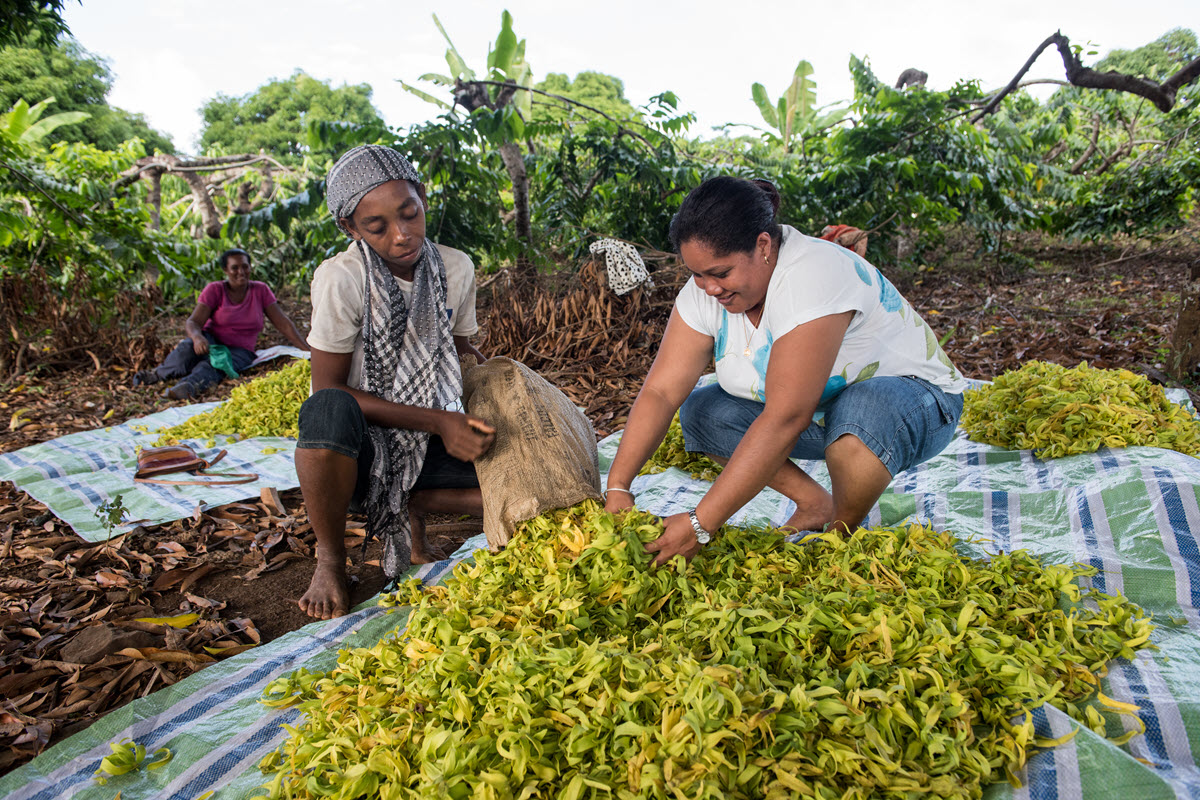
x=171, y=56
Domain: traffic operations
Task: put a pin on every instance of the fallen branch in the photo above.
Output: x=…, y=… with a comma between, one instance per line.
x=1161, y=94
x=1163, y=245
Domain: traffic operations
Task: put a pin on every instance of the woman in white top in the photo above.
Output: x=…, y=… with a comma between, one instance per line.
x=817, y=356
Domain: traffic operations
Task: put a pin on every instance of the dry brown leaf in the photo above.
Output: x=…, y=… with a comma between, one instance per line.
x=13, y=585
x=167, y=656
x=108, y=579
x=101, y=614
x=272, y=500
x=298, y=546
x=204, y=602
x=287, y=555
x=232, y=650
x=183, y=578
x=34, y=553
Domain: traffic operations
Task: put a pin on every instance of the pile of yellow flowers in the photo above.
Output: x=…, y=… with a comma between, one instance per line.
x=1058, y=411
x=671, y=453
x=266, y=406
x=876, y=664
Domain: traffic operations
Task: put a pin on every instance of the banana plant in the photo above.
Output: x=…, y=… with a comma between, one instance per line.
x=23, y=124
x=795, y=115
x=500, y=103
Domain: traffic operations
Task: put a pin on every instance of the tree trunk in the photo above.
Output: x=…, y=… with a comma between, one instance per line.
x=510, y=152
x=154, y=198
x=156, y=165
x=1185, y=343
x=1080, y=162
x=209, y=217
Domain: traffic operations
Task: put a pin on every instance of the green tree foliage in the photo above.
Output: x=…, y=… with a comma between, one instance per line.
x=65, y=229
x=24, y=124
x=59, y=210
x=22, y=17
x=1090, y=132
x=611, y=174
x=909, y=167
x=275, y=117
x=595, y=89
x=795, y=116
x=500, y=108
x=41, y=66
x=1114, y=163
x=1158, y=59
x=607, y=179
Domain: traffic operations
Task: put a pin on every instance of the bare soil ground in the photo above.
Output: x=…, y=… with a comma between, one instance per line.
x=71, y=644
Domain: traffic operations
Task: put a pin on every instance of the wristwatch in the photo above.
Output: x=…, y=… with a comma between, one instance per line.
x=702, y=536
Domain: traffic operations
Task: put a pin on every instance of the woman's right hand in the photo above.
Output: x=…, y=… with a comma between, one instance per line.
x=466, y=437
x=200, y=345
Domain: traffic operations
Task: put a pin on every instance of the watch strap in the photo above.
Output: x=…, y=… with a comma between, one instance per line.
x=702, y=536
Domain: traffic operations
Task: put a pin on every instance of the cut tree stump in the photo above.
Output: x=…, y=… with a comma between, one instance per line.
x=1185, y=342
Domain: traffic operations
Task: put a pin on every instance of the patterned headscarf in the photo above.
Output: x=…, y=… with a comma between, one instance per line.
x=359, y=171
x=408, y=352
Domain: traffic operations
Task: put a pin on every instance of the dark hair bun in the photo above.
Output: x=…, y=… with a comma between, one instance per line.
x=727, y=214
x=771, y=192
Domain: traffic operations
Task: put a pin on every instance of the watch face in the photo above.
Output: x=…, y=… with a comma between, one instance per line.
x=702, y=538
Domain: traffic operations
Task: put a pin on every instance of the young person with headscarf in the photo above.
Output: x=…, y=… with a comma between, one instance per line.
x=391, y=317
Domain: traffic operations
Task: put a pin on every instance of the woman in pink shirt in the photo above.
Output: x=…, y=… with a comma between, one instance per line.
x=228, y=313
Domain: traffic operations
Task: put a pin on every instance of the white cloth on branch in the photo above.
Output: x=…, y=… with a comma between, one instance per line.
x=626, y=270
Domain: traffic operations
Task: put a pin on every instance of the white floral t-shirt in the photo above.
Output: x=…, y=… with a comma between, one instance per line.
x=812, y=279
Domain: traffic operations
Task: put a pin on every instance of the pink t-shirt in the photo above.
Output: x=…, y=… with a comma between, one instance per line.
x=237, y=325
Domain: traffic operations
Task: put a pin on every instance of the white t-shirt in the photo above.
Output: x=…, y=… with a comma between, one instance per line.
x=337, y=303
x=812, y=279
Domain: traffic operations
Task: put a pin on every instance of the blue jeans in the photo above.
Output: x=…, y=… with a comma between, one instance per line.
x=331, y=419
x=904, y=421
x=184, y=362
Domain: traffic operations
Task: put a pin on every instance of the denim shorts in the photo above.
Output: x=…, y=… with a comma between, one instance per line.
x=904, y=421
x=331, y=419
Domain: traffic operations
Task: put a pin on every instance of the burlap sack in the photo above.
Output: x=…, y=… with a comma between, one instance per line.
x=544, y=456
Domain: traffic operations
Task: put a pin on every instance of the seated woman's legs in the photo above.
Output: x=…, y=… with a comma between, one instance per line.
x=872, y=430
x=878, y=428
x=203, y=374
x=333, y=442
x=179, y=362
x=714, y=421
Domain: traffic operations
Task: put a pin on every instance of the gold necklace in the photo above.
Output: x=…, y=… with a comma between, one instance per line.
x=746, y=331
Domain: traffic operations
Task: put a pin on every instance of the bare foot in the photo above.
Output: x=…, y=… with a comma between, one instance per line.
x=813, y=516
x=423, y=553
x=327, y=596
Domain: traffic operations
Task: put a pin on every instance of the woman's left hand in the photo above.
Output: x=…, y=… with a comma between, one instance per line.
x=678, y=538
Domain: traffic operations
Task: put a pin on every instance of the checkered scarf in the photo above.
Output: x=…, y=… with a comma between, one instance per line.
x=408, y=351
